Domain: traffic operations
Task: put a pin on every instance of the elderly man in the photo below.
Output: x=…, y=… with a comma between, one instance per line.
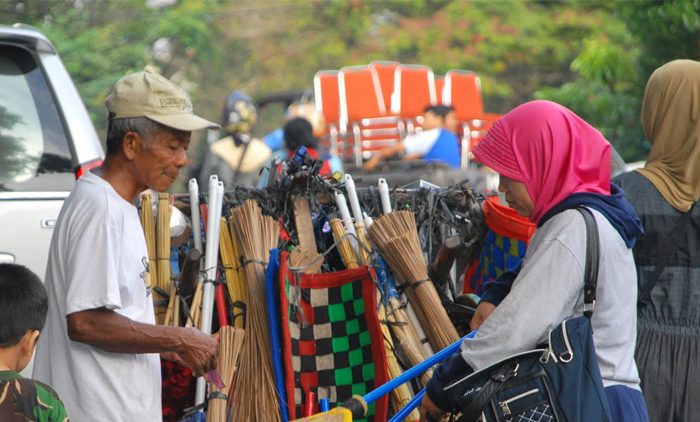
x=100, y=346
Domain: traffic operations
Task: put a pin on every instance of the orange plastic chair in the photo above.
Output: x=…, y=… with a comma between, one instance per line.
x=462, y=91
x=326, y=95
x=327, y=99
x=385, y=70
x=414, y=89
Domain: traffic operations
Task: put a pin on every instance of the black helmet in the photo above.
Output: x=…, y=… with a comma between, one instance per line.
x=239, y=114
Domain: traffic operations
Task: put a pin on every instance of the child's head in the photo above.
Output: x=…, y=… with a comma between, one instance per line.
x=23, y=308
x=299, y=132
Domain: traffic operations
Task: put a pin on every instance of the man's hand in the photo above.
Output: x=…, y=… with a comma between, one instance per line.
x=172, y=357
x=197, y=350
x=483, y=310
x=429, y=411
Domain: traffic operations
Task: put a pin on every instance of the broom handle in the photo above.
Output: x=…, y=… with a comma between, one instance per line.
x=193, y=189
x=210, y=258
x=448, y=351
x=410, y=406
x=384, y=195
x=367, y=220
x=347, y=220
x=353, y=200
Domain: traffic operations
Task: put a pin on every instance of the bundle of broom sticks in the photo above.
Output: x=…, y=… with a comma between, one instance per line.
x=347, y=252
x=396, y=236
x=230, y=342
x=163, y=254
x=235, y=276
x=157, y=235
x=255, y=397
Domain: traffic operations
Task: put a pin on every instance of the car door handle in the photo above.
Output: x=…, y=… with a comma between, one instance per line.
x=48, y=223
x=6, y=258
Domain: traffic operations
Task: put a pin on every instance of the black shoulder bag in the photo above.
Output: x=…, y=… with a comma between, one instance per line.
x=559, y=382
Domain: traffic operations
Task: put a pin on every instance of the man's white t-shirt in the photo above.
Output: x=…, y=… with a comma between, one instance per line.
x=420, y=143
x=98, y=258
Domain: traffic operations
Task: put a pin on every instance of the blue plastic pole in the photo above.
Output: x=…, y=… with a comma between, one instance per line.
x=406, y=410
x=273, y=320
x=415, y=371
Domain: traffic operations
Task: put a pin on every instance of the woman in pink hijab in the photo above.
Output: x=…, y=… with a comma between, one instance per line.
x=551, y=161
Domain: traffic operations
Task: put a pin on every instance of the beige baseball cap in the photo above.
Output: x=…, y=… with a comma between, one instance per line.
x=146, y=94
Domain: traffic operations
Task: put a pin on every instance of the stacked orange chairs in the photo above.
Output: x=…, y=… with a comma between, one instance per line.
x=363, y=114
x=370, y=107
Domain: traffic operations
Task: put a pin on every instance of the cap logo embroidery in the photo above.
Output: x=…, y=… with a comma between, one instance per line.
x=174, y=102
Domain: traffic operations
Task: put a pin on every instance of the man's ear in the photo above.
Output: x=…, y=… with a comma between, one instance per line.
x=130, y=144
x=28, y=342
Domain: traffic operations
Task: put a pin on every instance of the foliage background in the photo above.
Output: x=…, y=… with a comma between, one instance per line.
x=593, y=56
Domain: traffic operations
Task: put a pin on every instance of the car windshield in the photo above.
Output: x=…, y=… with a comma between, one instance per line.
x=34, y=151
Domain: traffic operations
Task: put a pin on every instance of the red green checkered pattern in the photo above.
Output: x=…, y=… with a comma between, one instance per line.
x=332, y=339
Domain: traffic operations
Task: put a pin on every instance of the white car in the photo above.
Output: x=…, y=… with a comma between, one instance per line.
x=46, y=142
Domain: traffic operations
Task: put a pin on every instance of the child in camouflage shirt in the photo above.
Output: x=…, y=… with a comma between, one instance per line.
x=23, y=307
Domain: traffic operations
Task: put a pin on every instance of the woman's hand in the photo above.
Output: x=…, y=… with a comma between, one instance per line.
x=429, y=411
x=483, y=310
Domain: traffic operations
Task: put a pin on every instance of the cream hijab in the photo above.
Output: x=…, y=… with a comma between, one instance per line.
x=671, y=122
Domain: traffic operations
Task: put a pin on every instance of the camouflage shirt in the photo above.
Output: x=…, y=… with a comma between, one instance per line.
x=24, y=400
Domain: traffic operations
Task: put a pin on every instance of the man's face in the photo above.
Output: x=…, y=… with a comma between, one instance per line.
x=432, y=121
x=161, y=157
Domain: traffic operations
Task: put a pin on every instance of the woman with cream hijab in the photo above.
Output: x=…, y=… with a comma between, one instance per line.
x=667, y=256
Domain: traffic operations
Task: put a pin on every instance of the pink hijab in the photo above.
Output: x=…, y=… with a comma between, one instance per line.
x=551, y=150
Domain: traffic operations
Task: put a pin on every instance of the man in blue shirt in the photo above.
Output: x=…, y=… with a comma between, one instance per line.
x=434, y=143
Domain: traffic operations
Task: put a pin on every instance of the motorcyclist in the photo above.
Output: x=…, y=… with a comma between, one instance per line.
x=237, y=157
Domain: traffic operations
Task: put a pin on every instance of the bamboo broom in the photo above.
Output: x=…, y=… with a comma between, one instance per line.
x=234, y=279
x=396, y=236
x=347, y=252
x=254, y=384
x=163, y=250
x=149, y=231
x=363, y=244
x=230, y=342
x=401, y=395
